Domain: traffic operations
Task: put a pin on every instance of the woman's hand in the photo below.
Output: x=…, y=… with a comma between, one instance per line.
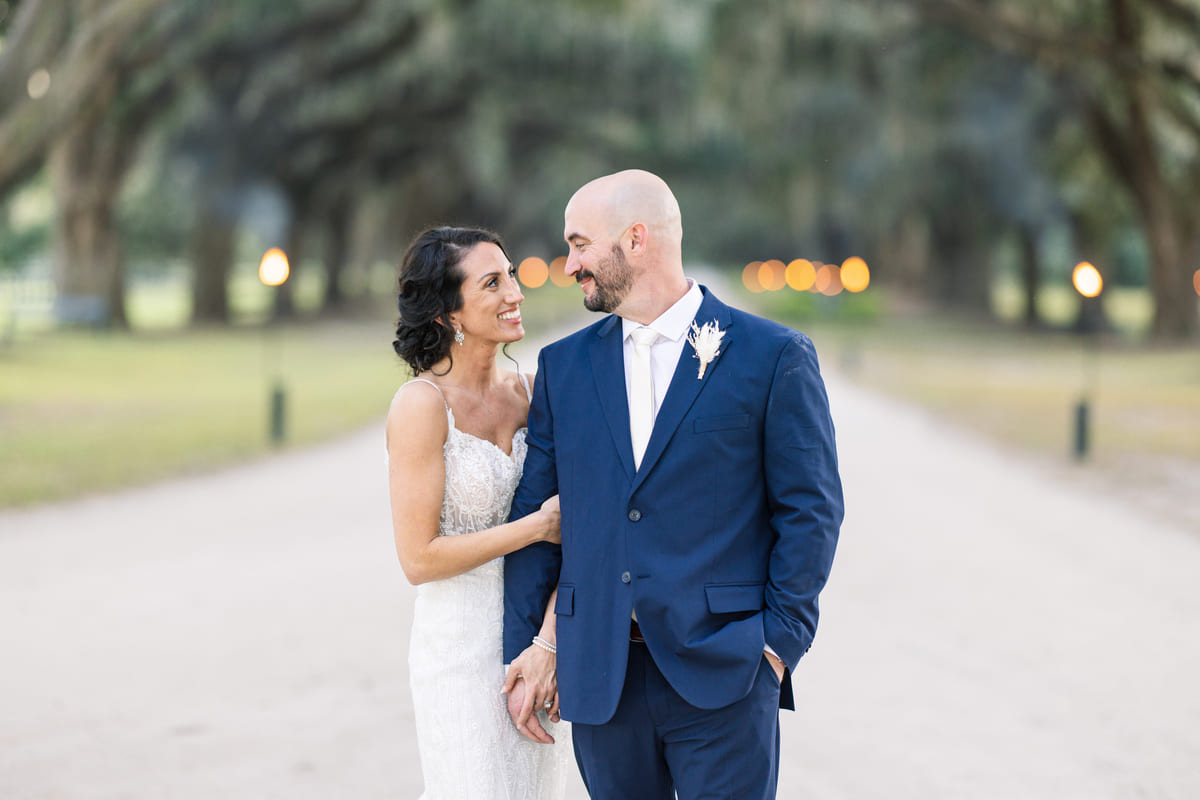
x=536, y=667
x=552, y=521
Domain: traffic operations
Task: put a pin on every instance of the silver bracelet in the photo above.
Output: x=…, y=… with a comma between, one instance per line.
x=542, y=643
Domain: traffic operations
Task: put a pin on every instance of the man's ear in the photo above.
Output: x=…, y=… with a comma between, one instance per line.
x=635, y=239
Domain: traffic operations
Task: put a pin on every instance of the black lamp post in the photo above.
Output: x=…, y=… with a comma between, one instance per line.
x=1089, y=284
x=273, y=270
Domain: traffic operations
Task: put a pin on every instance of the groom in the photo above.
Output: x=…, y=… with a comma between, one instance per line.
x=693, y=452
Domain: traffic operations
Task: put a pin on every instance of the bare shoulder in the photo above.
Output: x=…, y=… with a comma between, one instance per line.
x=519, y=394
x=417, y=415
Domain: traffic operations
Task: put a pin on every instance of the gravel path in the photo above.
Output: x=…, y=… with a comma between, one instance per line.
x=992, y=630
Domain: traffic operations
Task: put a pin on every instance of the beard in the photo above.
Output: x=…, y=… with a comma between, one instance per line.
x=609, y=291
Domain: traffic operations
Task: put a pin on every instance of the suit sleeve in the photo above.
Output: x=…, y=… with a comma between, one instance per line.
x=804, y=493
x=530, y=574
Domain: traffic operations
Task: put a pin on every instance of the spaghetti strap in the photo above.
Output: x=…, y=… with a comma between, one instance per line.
x=525, y=383
x=434, y=385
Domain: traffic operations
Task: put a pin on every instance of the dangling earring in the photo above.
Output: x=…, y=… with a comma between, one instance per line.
x=459, y=336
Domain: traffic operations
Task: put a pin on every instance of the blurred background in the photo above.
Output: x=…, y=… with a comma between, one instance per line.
x=913, y=182
x=985, y=213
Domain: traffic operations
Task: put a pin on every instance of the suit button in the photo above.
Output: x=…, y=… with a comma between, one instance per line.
x=626, y=577
x=634, y=515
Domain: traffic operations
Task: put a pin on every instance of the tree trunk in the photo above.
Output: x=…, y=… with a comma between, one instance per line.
x=959, y=272
x=1169, y=234
x=337, y=237
x=86, y=175
x=212, y=257
x=1030, y=275
x=1175, y=252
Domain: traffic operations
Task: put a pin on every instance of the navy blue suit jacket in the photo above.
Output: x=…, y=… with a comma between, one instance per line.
x=721, y=540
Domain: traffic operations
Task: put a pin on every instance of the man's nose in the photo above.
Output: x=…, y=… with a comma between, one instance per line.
x=572, y=265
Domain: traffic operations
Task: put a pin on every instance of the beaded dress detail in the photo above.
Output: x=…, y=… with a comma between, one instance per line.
x=469, y=747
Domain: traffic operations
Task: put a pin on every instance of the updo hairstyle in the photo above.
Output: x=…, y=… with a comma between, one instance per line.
x=430, y=290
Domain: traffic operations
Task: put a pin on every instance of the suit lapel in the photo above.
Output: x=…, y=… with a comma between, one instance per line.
x=685, y=387
x=608, y=370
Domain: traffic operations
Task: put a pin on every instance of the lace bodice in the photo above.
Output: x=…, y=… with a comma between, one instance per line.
x=480, y=480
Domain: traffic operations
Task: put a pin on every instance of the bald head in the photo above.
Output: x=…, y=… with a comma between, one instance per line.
x=626, y=237
x=629, y=197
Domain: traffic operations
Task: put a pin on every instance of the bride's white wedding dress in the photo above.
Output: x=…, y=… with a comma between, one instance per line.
x=469, y=748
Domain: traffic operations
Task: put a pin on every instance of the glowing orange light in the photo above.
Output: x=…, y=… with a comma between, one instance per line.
x=855, y=274
x=1087, y=279
x=273, y=270
x=533, y=272
x=1196, y=281
x=750, y=277
x=558, y=272
x=829, y=281
x=771, y=275
x=800, y=274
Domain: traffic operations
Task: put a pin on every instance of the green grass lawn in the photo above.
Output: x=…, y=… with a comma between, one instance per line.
x=81, y=412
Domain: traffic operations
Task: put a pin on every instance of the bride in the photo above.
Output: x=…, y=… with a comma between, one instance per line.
x=456, y=446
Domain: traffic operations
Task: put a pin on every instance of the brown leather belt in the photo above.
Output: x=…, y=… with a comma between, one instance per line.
x=635, y=633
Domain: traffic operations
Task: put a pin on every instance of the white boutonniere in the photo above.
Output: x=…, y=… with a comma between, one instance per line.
x=706, y=341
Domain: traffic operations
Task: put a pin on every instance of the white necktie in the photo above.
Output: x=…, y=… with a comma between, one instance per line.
x=641, y=392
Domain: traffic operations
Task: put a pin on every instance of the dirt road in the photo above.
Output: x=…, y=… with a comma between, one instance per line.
x=990, y=631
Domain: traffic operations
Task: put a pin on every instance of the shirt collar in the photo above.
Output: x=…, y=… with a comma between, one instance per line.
x=674, y=322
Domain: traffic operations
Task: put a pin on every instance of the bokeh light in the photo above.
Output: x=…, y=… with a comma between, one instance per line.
x=38, y=84
x=771, y=275
x=829, y=280
x=1087, y=279
x=533, y=272
x=273, y=269
x=1196, y=281
x=558, y=272
x=855, y=275
x=800, y=274
x=750, y=277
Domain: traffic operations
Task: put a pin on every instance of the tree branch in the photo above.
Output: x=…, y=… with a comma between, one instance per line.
x=1188, y=17
x=1058, y=51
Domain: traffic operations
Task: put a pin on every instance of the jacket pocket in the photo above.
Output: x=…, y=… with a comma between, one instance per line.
x=732, y=422
x=564, y=606
x=731, y=598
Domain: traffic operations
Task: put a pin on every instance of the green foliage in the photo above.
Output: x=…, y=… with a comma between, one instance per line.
x=18, y=247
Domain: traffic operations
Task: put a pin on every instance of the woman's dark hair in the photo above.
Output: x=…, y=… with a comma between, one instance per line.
x=430, y=290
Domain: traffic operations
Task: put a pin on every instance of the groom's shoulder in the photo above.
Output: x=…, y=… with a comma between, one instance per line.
x=572, y=342
x=766, y=332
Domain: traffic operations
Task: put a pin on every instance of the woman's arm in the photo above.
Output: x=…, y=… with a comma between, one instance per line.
x=416, y=433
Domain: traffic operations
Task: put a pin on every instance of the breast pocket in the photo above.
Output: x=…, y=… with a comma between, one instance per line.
x=726, y=423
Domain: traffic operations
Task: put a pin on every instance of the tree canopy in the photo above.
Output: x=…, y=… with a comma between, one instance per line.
x=929, y=136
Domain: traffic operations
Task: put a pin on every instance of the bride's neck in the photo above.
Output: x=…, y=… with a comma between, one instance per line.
x=473, y=369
